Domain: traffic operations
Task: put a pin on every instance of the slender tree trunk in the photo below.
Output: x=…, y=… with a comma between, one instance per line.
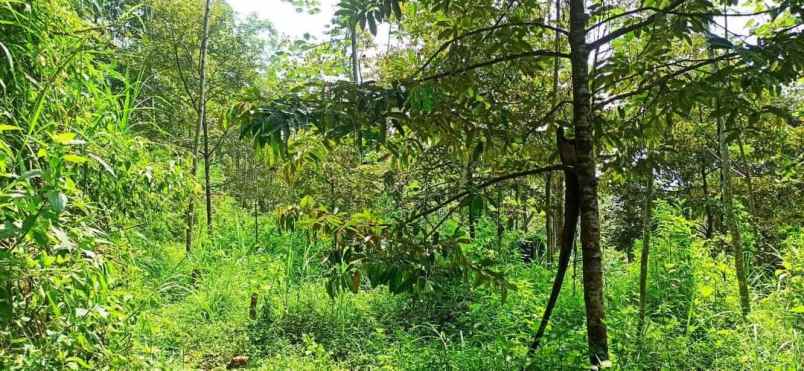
x=728, y=203
x=256, y=220
x=471, y=217
x=558, y=216
x=499, y=218
x=551, y=221
x=571, y=209
x=524, y=205
x=190, y=214
x=355, y=58
x=748, y=179
x=751, y=199
x=548, y=211
x=356, y=79
x=597, y=336
x=515, y=212
x=710, y=217
x=643, y=260
x=470, y=185
x=731, y=219
x=202, y=102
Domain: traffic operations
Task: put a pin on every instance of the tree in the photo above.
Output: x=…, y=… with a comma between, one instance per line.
x=481, y=56
x=202, y=117
x=169, y=52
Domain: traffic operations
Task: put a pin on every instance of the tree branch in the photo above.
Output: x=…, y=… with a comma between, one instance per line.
x=180, y=72
x=446, y=45
x=485, y=184
x=631, y=28
x=685, y=14
x=533, y=53
x=548, y=116
x=644, y=87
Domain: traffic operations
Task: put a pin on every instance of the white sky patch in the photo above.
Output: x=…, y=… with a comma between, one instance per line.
x=295, y=24
x=285, y=17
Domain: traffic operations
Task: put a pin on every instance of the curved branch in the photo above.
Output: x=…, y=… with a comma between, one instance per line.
x=482, y=30
x=684, y=14
x=533, y=53
x=631, y=28
x=645, y=87
x=485, y=184
x=549, y=115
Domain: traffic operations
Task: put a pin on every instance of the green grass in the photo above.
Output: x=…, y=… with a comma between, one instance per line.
x=186, y=325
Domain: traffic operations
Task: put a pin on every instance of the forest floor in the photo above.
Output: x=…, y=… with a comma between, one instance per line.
x=193, y=312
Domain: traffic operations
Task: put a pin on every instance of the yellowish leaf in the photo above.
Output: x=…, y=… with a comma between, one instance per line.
x=75, y=158
x=6, y=127
x=64, y=138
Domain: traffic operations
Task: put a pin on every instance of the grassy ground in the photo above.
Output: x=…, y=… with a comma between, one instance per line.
x=192, y=312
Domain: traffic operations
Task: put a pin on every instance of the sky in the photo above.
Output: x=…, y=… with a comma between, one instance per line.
x=285, y=17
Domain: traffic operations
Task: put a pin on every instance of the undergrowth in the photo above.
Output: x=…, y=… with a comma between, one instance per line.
x=202, y=320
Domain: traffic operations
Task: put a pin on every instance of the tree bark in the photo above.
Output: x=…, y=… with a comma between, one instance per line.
x=355, y=58
x=558, y=216
x=752, y=204
x=256, y=220
x=500, y=229
x=643, y=260
x=202, y=102
x=597, y=336
x=571, y=210
x=731, y=219
x=728, y=201
x=548, y=220
x=551, y=221
x=710, y=217
x=524, y=205
x=471, y=212
x=190, y=214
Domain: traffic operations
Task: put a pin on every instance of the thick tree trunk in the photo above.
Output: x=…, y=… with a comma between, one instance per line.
x=643, y=260
x=590, y=228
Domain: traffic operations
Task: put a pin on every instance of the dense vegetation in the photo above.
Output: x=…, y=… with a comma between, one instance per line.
x=497, y=185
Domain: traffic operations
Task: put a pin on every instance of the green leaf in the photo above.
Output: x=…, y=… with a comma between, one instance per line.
x=58, y=201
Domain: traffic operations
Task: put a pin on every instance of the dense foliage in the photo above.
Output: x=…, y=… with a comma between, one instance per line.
x=402, y=200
